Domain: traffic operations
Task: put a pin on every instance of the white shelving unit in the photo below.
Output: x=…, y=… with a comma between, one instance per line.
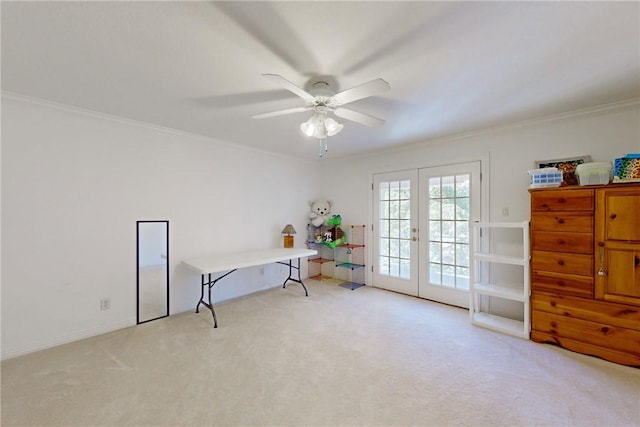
x=484, y=284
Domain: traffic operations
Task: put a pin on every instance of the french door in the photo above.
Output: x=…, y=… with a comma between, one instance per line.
x=421, y=233
x=395, y=230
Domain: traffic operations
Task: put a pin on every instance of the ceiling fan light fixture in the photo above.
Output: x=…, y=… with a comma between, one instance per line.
x=320, y=126
x=314, y=127
x=332, y=126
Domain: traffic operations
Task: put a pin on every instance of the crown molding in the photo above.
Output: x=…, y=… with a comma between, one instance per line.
x=136, y=123
x=627, y=104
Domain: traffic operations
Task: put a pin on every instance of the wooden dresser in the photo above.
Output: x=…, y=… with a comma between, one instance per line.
x=585, y=270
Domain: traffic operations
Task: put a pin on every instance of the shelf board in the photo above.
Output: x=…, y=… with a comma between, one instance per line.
x=502, y=291
x=500, y=324
x=502, y=259
x=321, y=277
x=350, y=265
x=320, y=260
x=350, y=246
x=351, y=285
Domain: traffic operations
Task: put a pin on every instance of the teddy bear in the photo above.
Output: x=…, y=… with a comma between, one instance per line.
x=320, y=211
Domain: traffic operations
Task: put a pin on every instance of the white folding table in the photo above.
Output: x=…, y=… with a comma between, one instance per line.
x=229, y=263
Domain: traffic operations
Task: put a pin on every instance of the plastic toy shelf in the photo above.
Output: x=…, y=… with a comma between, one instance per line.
x=344, y=261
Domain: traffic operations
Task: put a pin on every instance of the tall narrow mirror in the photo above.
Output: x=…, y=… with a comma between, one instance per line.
x=153, y=270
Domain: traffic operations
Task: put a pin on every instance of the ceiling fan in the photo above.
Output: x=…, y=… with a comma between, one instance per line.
x=322, y=99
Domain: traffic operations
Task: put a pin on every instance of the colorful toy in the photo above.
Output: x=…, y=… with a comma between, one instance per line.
x=320, y=210
x=335, y=220
x=335, y=233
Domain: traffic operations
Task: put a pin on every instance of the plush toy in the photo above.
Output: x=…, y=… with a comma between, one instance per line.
x=320, y=212
x=334, y=236
x=334, y=220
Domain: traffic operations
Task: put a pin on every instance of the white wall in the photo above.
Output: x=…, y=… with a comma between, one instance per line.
x=75, y=183
x=604, y=133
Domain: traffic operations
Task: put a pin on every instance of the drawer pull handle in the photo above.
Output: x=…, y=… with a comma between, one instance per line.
x=561, y=241
x=560, y=221
x=636, y=261
x=613, y=216
x=560, y=262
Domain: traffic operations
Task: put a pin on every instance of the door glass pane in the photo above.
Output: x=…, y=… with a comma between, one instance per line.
x=395, y=229
x=405, y=229
x=384, y=209
x=449, y=214
x=434, y=273
x=435, y=207
x=434, y=231
x=462, y=185
x=405, y=209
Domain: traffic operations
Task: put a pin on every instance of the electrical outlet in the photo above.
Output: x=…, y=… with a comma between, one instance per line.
x=105, y=303
x=505, y=211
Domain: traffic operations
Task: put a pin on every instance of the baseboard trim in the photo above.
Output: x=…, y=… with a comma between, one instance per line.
x=8, y=353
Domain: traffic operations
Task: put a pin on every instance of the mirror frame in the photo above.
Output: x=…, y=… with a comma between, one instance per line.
x=138, y=223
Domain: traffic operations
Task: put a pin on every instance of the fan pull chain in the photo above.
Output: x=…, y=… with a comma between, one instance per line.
x=326, y=146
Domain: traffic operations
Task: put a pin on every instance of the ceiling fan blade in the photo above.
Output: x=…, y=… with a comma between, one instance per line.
x=362, y=91
x=279, y=80
x=355, y=116
x=282, y=112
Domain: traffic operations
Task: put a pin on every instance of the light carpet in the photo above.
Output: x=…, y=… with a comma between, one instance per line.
x=337, y=357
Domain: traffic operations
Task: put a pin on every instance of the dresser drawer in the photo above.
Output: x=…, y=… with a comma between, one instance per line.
x=580, y=222
x=562, y=200
x=599, y=334
x=577, y=243
x=569, y=284
x=579, y=264
x=622, y=315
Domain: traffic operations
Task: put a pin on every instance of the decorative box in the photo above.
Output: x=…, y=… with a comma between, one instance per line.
x=627, y=168
x=545, y=177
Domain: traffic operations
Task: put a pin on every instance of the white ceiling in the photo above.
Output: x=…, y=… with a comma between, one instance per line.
x=453, y=67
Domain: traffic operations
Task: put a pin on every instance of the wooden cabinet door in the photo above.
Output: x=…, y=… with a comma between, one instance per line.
x=623, y=275
x=622, y=214
x=618, y=244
